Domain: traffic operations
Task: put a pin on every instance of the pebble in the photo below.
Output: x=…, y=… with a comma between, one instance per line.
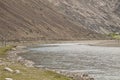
x=14, y=49
x=17, y=71
x=91, y=78
x=84, y=75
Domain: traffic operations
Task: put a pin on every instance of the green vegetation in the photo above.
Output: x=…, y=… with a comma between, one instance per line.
x=3, y=50
x=28, y=73
x=115, y=35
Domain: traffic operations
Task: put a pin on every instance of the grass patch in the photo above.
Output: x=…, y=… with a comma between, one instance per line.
x=30, y=74
x=3, y=50
x=114, y=36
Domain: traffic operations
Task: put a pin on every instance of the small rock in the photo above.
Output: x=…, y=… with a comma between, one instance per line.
x=91, y=78
x=8, y=69
x=28, y=63
x=84, y=75
x=17, y=71
x=86, y=78
x=8, y=79
x=14, y=49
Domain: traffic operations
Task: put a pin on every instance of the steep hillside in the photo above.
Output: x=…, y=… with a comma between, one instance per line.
x=102, y=16
x=40, y=19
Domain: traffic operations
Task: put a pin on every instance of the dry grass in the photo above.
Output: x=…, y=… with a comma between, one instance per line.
x=3, y=50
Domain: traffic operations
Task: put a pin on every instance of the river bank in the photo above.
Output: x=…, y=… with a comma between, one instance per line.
x=13, y=61
x=105, y=43
x=14, y=58
x=108, y=43
x=13, y=67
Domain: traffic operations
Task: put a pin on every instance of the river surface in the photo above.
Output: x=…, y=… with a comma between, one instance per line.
x=102, y=63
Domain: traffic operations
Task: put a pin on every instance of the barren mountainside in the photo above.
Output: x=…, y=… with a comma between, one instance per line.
x=102, y=16
x=58, y=19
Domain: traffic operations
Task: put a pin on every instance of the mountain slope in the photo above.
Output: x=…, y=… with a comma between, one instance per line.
x=39, y=20
x=102, y=16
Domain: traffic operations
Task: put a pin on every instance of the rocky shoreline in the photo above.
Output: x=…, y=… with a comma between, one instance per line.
x=13, y=57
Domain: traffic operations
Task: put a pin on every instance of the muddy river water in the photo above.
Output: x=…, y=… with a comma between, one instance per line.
x=102, y=63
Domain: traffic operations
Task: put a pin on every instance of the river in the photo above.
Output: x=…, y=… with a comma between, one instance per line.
x=102, y=63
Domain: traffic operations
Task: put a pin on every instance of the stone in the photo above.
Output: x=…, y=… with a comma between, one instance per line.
x=28, y=63
x=8, y=69
x=91, y=78
x=84, y=75
x=8, y=79
x=86, y=78
x=17, y=71
x=14, y=49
